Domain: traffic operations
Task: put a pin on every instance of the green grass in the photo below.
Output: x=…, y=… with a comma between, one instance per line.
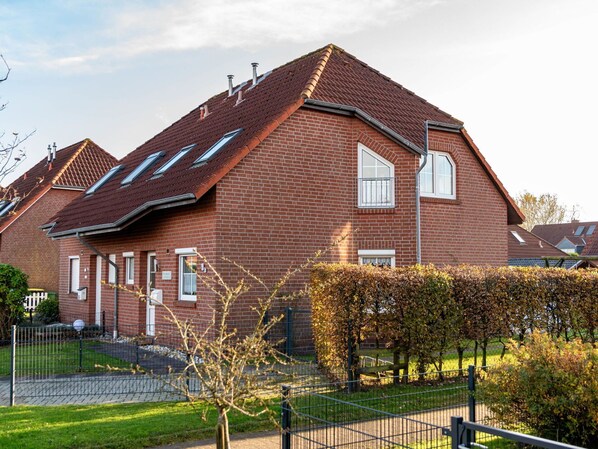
x=57, y=358
x=112, y=426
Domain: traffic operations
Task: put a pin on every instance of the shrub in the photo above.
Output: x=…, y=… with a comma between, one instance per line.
x=13, y=289
x=47, y=311
x=550, y=386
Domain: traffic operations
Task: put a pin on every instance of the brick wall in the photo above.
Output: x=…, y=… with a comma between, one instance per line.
x=473, y=227
x=26, y=246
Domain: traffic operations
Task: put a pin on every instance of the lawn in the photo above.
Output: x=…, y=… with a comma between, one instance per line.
x=112, y=426
x=58, y=358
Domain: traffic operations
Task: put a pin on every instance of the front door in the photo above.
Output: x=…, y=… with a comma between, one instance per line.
x=99, y=290
x=151, y=285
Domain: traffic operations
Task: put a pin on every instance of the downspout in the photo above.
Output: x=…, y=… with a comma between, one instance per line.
x=107, y=259
x=418, y=237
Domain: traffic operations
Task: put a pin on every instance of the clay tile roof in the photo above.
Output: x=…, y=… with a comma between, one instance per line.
x=328, y=75
x=554, y=233
x=75, y=167
x=534, y=246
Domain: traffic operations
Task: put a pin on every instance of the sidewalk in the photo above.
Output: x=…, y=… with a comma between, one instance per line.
x=258, y=440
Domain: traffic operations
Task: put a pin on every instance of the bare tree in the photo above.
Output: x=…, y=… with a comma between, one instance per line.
x=11, y=151
x=235, y=369
x=542, y=209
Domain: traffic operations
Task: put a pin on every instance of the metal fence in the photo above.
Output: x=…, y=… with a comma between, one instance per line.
x=417, y=414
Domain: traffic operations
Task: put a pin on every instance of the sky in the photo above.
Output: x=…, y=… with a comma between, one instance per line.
x=521, y=75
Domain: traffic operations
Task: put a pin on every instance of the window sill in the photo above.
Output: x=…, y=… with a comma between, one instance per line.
x=188, y=304
x=434, y=199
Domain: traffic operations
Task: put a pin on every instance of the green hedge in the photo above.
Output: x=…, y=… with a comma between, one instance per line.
x=425, y=311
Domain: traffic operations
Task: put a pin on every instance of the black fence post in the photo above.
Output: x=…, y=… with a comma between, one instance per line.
x=471, y=401
x=103, y=323
x=286, y=417
x=188, y=376
x=288, y=349
x=13, y=348
x=456, y=422
x=136, y=353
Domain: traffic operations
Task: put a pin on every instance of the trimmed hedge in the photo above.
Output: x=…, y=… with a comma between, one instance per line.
x=425, y=311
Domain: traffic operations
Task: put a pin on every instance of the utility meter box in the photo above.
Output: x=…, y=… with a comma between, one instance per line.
x=82, y=294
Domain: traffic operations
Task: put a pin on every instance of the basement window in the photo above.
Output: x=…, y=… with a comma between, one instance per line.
x=141, y=168
x=377, y=257
x=217, y=147
x=104, y=179
x=173, y=160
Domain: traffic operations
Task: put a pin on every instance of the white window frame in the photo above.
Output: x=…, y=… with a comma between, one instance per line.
x=432, y=157
x=382, y=253
x=129, y=267
x=518, y=237
x=360, y=203
x=111, y=269
x=74, y=282
x=182, y=253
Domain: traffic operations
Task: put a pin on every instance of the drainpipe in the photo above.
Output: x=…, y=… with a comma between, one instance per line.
x=418, y=237
x=107, y=259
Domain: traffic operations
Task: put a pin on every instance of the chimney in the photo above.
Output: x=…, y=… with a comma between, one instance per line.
x=239, y=97
x=54, y=151
x=230, y=84
x=254, y=65
x=49, y=153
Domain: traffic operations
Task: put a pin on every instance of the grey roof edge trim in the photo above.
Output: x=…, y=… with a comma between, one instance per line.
x=442, y=126
x=344, y=109
x=126, y=220
x=65, y=187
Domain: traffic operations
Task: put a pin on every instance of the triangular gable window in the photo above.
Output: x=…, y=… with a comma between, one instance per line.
x=141, y=168
x=375, y=179
x=222, y=142
x=104, y=179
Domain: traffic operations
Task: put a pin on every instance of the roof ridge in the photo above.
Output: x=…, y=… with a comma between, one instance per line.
x=317, y=73
x=82, y=146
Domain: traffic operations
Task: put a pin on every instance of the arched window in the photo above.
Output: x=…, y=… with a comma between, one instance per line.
x=438, y=177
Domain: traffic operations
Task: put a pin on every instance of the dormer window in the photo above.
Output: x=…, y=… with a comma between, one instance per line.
x=224, y=140
x=375, y=179
x=173, y=160
x=141, y=168
x=104, y=179
x=438, y=178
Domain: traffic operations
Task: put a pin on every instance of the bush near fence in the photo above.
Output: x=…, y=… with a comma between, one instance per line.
x=424, y=311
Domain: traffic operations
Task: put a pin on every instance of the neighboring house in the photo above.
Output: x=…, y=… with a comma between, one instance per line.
x=527, y=249
x=266, y=174
x=575, y=237
x=35, y=197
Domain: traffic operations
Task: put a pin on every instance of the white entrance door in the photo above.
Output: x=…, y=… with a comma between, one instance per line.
x=150, y=319
x=99, y=290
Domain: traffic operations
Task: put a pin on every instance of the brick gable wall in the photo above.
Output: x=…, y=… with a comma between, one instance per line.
x=25, y=246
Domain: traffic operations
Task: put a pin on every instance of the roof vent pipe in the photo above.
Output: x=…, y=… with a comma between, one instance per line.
x=239, y=97
x=54, y=151
x=254, y=65
x=230, y=84
x=49, y=153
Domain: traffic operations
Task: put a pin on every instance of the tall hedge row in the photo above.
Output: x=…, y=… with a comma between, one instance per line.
x=425, y=311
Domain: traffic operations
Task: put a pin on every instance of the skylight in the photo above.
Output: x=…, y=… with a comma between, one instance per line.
x=141, y=168
x=217, y=146
x=591, y=230
x=104, y=179
x=173, y=160
x=518, y=237
x=6, y=208
x=579, y=230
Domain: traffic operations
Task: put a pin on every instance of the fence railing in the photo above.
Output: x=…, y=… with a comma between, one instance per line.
x=33, y=298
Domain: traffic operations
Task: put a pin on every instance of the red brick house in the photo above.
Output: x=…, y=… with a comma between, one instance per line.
x=272, y=170
x=35, y=197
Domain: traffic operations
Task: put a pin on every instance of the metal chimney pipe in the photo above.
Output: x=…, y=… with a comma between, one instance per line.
x=230, y=84
x=239, y=97
x=54, y=151
x=254, y=65
x=49, y=153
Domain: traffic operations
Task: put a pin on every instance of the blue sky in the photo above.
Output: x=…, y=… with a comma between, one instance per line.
x=520, y=74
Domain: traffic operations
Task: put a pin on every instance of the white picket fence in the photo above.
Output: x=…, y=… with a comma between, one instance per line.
x=33, y=299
